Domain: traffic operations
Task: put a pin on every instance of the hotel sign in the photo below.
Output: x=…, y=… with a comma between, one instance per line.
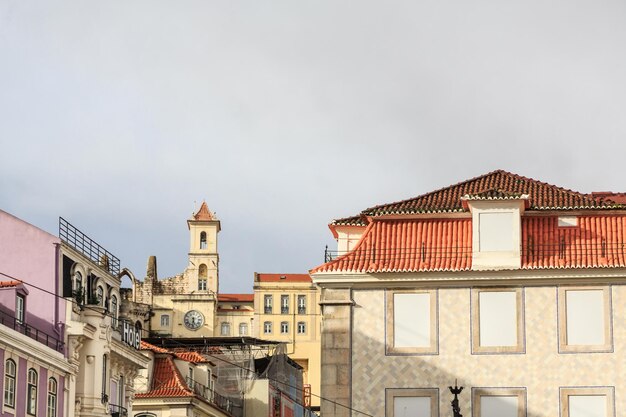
x=130, y=335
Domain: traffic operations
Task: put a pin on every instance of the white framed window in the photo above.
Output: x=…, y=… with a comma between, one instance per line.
x=243, y=329
x=411, y=321
x=587, y=401
x=52, y=398
x=267, y=327
x=302, y=304
x=225, y=329
x=202, y=284
x=31, y=393
x=301, y=327
x=498, y=402
x=412, y=402
x=284, y=327
x=10, y=373
x=165, y=320
x=267, y=303
x=497, y=320
x=585, y=319
x=496, y=231
x=284, y=304
x=20, y=308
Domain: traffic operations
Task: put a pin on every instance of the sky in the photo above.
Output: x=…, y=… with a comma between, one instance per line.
x=123, y=116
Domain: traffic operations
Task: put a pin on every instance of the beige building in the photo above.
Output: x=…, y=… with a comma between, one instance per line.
x=187, y=305
x=287, y=310
x=513, y=287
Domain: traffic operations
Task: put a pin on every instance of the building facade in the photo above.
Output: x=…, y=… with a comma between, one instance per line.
x=286, y=309
x=510, y=287
x=35, y=372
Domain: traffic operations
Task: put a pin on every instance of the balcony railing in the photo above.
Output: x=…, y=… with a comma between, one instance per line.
x=82, y=243
x=32, y=332
x=117, y=411
x=301, y=310
x=210, y=395
x=284, y=310
x=267, y=309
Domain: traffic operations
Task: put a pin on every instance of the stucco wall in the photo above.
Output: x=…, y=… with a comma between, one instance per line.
x=28, y=253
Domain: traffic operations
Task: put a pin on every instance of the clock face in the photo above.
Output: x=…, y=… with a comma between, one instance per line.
x=194, y=319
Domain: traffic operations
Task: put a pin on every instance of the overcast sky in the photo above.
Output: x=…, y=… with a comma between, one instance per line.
x=282, y=115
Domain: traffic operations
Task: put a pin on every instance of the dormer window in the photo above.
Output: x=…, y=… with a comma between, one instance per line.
x=203, y=240
x=496, y=228
x=496, y=231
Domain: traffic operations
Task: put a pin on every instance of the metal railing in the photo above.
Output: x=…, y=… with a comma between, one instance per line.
x=210, y=395
x=301, y=309
x=32, y=332
x=267, y=309
x=117, y=410
x=82, y=243
x=284, y=310
x=560, y=251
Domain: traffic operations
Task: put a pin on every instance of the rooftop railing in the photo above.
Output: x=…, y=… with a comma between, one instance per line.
x=82, y=243
x=560, y=253
x=30, y=331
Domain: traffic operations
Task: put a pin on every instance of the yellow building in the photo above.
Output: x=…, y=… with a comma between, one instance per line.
x=287, y=310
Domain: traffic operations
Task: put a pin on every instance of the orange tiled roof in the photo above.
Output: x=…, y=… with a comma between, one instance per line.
x=542, y=196
x=6, y=284
x=446, y=245
x=411, y=245
x=204, y=213
x=259, y=277
x=191, y=356
x=166, y=381
x=236, y=298
x=597, y=242
x=155, y=349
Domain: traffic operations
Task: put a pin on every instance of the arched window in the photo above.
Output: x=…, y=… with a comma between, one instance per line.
x=284, y=327
x=301, y=327
x=202, y=277
x=225, y=329
x=10, y=371
x=100, y=294
x=243, y=329
x=267, y=327
x=203, y=240
x=52, y=398
x=31, y=393
x=114, y=312
x=78, y=281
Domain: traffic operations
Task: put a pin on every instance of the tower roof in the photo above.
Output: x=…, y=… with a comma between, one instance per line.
x=204, y=213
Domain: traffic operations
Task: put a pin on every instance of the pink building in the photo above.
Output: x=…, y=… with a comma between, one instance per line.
x=33, y=357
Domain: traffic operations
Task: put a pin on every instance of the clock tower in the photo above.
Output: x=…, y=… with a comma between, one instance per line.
x=203, y=268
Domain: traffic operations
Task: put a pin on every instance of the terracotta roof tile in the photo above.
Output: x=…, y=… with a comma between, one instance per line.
x=446, y=245
x=236, y=298
x=597, y=241
x=166, y=381
x=155, y=349
x=407, y=246
x=542, y=196
x=259, y=277
x=204, y=213
x=190, y=356
x=5, y=284
x=350, y=221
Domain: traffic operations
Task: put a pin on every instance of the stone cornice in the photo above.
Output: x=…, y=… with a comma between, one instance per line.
x=34, y=350
x=521, y=277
